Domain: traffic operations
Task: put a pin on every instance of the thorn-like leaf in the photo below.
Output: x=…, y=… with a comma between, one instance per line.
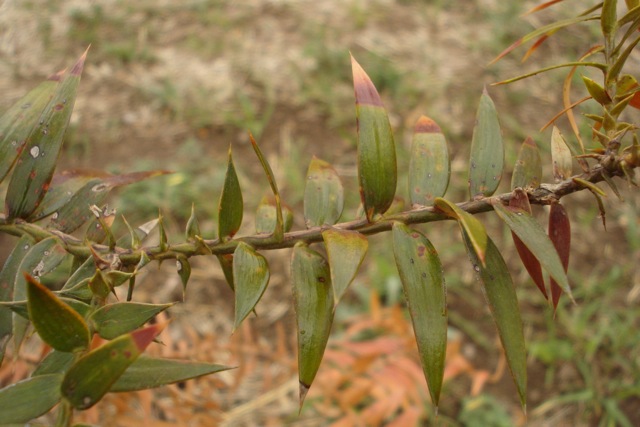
x=230, y=208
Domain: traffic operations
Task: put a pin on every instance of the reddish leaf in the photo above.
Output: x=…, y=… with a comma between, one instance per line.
x=560, y=235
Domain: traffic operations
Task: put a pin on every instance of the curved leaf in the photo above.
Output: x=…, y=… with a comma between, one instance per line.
x=7, y=280
x=18, y=121
x=560, y=235
x=313, y=303
x=230, y=208
x=184, y=271
x=113, y=320
x=424, y=288
x=30, y=398
x=527, y=172
x=429, y=167
x=56, y=362
x=226, y=263
x=37, y=161
x=487, y=150
x=561, y=156
x=250, y=278
x=323, y=194
x=503, y=302
x=377, y=169
x=279, y=228
x=536, y=240
x=148, y=372
x=92, y=376
x=58, y=325
x=469, y=225
x=520, y=200
x=345, y=250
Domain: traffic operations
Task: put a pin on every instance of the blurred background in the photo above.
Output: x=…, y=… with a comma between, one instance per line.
x=170, y=84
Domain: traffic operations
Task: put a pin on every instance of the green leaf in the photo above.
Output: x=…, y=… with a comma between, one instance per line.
x=37, y=161
x=424, y=288
x=77, y=285
x=21, y=308
x=429, y=167
x=18, y=121
x=468, y=224
x=92, y=375
x=279, y=228
x=267, y=216
x=614, y=70
x=193, y=226
x=30, y=398
x=313, y=303
x=41, y=259
x=58, y=325
x=113, y=320
x=561, y=156
x=56, y=362
x=608, y=18
x=536, y=240
x=503, y=303
x=323, y=194
x=487, y=150
x=527, y=172
x=184, y=271
x=345, y=250
x=230, y=208
x=94, y=192
x=148, y=372
x=560, y=235
x=377, y=169
x=520, y=200
x=7, y=280
x=226, y=263
x=250, y=277
x=597, y=92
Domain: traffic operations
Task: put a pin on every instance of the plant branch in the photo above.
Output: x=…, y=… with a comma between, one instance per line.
x=544, y=195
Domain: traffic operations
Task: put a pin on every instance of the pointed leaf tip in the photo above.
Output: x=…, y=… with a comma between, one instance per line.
x=79, y=65
x=366, y=93
x=143, y=337
x=426, y=125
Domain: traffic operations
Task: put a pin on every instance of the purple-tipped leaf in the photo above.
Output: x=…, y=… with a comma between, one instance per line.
x=377, y=169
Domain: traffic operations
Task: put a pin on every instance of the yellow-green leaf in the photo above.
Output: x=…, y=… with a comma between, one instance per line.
x=377, y=169
x=28, y=399
x=345, y=250
x=503, y=303
x=250, y=278
x=429, y=167
x=527, y=172
x=597, y=92
x=150, y=372
x=37, y=161
x=113, y=320
x=313, y=303
x=18, y=121
x=534, y=237
x=487, y=150
x=92, y=376
x=267, y=216
x=323, y=194
x=57, y=324
x=230, y=208
x=424, y=288
x=561, y=156
x=468, y=224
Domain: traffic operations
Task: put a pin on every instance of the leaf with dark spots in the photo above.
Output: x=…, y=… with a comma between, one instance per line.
x=37, y=161
x=560, y=235
x=76, y=212
x=17, y=123
x=313, y=303
x=520, y=200
x=58, y=325
x=92, y=375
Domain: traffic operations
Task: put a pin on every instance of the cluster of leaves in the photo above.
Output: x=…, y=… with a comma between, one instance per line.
x=43, y=209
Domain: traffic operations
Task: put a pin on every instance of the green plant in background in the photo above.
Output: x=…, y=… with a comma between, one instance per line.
x=43, y=209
